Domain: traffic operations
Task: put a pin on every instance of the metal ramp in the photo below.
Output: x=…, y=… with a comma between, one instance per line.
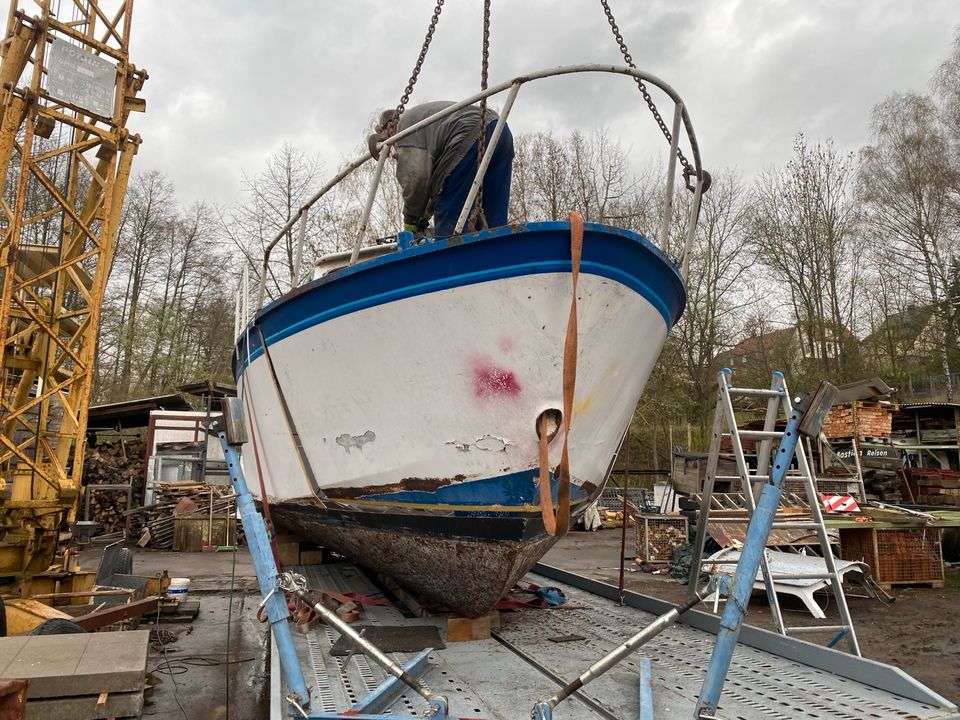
x=499, y=679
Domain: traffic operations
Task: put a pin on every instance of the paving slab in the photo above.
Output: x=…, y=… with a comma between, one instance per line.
x=80, y=664
x=118, y=705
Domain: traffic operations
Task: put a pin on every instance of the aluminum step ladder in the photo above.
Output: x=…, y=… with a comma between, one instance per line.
x=751, y=481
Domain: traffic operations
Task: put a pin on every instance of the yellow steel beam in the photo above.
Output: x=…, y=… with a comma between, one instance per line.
x=50, y=300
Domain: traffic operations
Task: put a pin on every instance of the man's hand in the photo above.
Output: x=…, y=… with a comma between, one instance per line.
x=419, y=227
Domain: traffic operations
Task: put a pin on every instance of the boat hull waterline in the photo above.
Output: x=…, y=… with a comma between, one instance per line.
x=395, y=409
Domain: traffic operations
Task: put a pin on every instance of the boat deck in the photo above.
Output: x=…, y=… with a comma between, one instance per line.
x=501, y=678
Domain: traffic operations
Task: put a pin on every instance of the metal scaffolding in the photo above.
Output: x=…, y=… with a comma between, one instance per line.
x=66, y=90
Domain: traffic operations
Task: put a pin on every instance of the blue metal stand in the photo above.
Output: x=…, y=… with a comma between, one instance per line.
x=273, y=587
x=754, y=544
x=274, y=602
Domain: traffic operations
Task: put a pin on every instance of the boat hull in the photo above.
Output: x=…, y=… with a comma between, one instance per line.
x=466, y=568
x=394, y=406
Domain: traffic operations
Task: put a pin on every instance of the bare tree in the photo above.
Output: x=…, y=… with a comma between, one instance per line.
x=717, y=289
x=907, y=182
x=148, y=210
x=804, y=231
x=273, y=197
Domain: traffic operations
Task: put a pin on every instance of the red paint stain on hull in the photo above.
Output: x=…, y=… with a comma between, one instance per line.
x=492, y=381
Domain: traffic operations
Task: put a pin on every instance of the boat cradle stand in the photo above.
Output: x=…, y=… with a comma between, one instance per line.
x=274, y=586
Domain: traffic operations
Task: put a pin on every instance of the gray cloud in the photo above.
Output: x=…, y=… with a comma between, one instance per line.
x=231, y=80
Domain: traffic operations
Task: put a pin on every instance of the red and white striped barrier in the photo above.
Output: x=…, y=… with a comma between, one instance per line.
x=839, y=503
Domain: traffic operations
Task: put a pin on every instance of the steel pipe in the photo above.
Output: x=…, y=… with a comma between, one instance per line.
x=296, y=584
x=495, y=90
x=487, y=155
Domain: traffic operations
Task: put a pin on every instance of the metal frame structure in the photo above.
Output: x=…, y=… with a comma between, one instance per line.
x=753, y=482
x=275, y=586
x=65, y=159
x=512, y=87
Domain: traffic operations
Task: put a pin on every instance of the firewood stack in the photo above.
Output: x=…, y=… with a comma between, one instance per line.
x=121, y=462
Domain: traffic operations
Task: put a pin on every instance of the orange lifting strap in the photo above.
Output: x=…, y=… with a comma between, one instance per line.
x=558, y=522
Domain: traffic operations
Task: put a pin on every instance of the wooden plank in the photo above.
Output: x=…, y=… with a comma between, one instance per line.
x=461, y=629
x=87, y=593
x=116, y=613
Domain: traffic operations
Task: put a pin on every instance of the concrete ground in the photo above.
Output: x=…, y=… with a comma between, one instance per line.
x=191, y=673
x=198, y=667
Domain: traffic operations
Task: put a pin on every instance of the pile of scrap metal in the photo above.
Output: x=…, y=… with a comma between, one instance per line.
x=113, y=596
x=214, y=506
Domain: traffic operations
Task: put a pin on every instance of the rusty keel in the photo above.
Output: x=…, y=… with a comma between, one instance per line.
x=466, y=564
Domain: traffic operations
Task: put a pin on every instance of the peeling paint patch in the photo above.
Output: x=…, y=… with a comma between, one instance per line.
x=487, y=443
x=491, y=443
x=347, y=441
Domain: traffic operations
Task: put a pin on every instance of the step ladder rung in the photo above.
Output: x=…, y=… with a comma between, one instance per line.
x=805, y=576
x=816, y=628
x=779, y=525
x=756, y=434
x=754, y=392
x=759, y=478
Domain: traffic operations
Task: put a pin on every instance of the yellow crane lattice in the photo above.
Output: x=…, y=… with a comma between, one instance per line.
x=66, y=90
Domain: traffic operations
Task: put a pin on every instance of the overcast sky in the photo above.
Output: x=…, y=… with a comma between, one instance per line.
x=231, y=80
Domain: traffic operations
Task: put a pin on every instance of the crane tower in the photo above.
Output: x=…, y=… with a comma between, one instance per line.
x=66, y=89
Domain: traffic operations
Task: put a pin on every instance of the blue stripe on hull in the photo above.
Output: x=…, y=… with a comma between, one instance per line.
x=513, y=489
x=531, y=249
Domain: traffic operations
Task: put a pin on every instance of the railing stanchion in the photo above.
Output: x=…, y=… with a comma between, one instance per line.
x=691, y=229
x=664, y=238
x=371, y=197
x=301, y=238
x=487, y=155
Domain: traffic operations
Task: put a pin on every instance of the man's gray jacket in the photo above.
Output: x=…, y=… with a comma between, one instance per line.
x=426, y=158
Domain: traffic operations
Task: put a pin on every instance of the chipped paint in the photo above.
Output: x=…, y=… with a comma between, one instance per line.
x=487, y=443
x=406, y=484
x=347, y=441
x=491, y=443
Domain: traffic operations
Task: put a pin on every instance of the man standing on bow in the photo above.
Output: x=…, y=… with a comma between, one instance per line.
x=436, y=166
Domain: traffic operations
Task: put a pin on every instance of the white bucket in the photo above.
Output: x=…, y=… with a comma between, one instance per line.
x=178, y=589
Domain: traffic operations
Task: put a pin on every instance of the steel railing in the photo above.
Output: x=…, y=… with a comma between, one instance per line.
x=680, y=118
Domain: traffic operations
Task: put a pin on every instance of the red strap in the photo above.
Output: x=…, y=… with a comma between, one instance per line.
x=546, y=501
x=558, y=522
x=364, y=600
x=569, y=375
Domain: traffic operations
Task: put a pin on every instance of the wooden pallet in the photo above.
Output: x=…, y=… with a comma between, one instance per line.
x=911, y=583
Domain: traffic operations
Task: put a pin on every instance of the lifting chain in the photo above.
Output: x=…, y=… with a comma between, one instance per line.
x=402, y=105
x=688, y=170
x=481, y=142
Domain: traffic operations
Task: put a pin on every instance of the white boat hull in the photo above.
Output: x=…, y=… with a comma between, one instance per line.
x=426, y=407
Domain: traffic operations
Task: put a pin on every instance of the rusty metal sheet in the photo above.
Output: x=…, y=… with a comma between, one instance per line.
x=13, y=699
x=728, y=533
